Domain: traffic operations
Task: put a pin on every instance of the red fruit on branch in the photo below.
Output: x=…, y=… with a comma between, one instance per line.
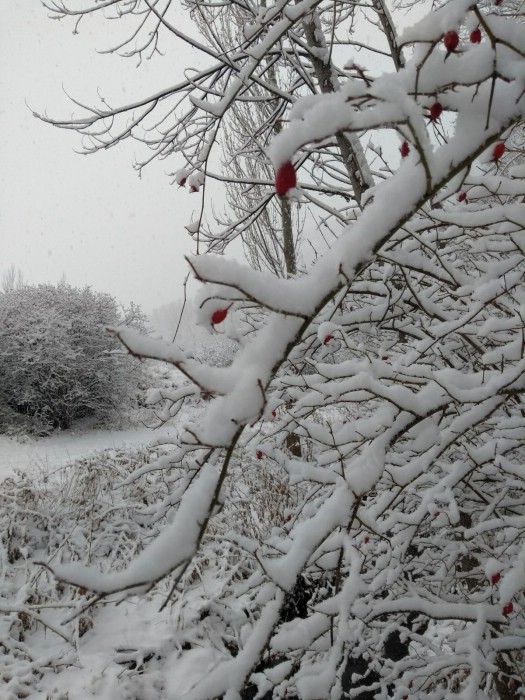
x=496, y=578
x=475, y=36
x=219, y=316
x=285, y=179
x=259, y=454
x=462, y=196
x=328, y=339
x=438, y=512
x=194, y=188
x=405, y=149
x=451, y=41
x=435, y=111
x=508, y=608
x=181, y=177
x=498, y=150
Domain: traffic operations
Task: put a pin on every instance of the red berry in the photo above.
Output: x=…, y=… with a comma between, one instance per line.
x=194, y=188
x=495, y=579
x=475, y=37
x=259, y=454
x=435, y=111
x=451, y=41
x=508, y=608
x=498, y=151
x=288, y=518
x=405, y=149
x=411, y=684
x=328, y=339
x=285, y=179
x=438, y=512
x=274, y=413
x=182, y=182
x=219, y=316
x=366, y=540
x=385, y=358
x=462, y=196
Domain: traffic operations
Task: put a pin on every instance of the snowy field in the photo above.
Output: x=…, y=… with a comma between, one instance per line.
x=69, y=445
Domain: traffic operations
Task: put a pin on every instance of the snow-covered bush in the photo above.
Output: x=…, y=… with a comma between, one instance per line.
x=385, y=377
x=69, y=513
x=58, y=363
x=219, y=352
x=104, y=509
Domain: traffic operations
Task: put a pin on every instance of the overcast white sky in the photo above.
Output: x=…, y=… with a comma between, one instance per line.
x=88, y=217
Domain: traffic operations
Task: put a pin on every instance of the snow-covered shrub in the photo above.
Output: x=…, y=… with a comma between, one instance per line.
x=382, y=371
x=58, y=363
x=217, y=352
x=103, y=510
x=72, y=513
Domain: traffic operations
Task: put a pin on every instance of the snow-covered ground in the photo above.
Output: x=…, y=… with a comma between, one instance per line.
x=63, y=447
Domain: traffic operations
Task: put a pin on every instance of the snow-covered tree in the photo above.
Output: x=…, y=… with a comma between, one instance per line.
x=394, y=564
x=57, y=361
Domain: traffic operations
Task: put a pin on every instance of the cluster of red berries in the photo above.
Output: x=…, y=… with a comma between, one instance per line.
x=184, y=180
x=451, y=43
x=451, y=39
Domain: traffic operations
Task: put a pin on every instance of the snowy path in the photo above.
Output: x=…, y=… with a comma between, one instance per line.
x=69, y=445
